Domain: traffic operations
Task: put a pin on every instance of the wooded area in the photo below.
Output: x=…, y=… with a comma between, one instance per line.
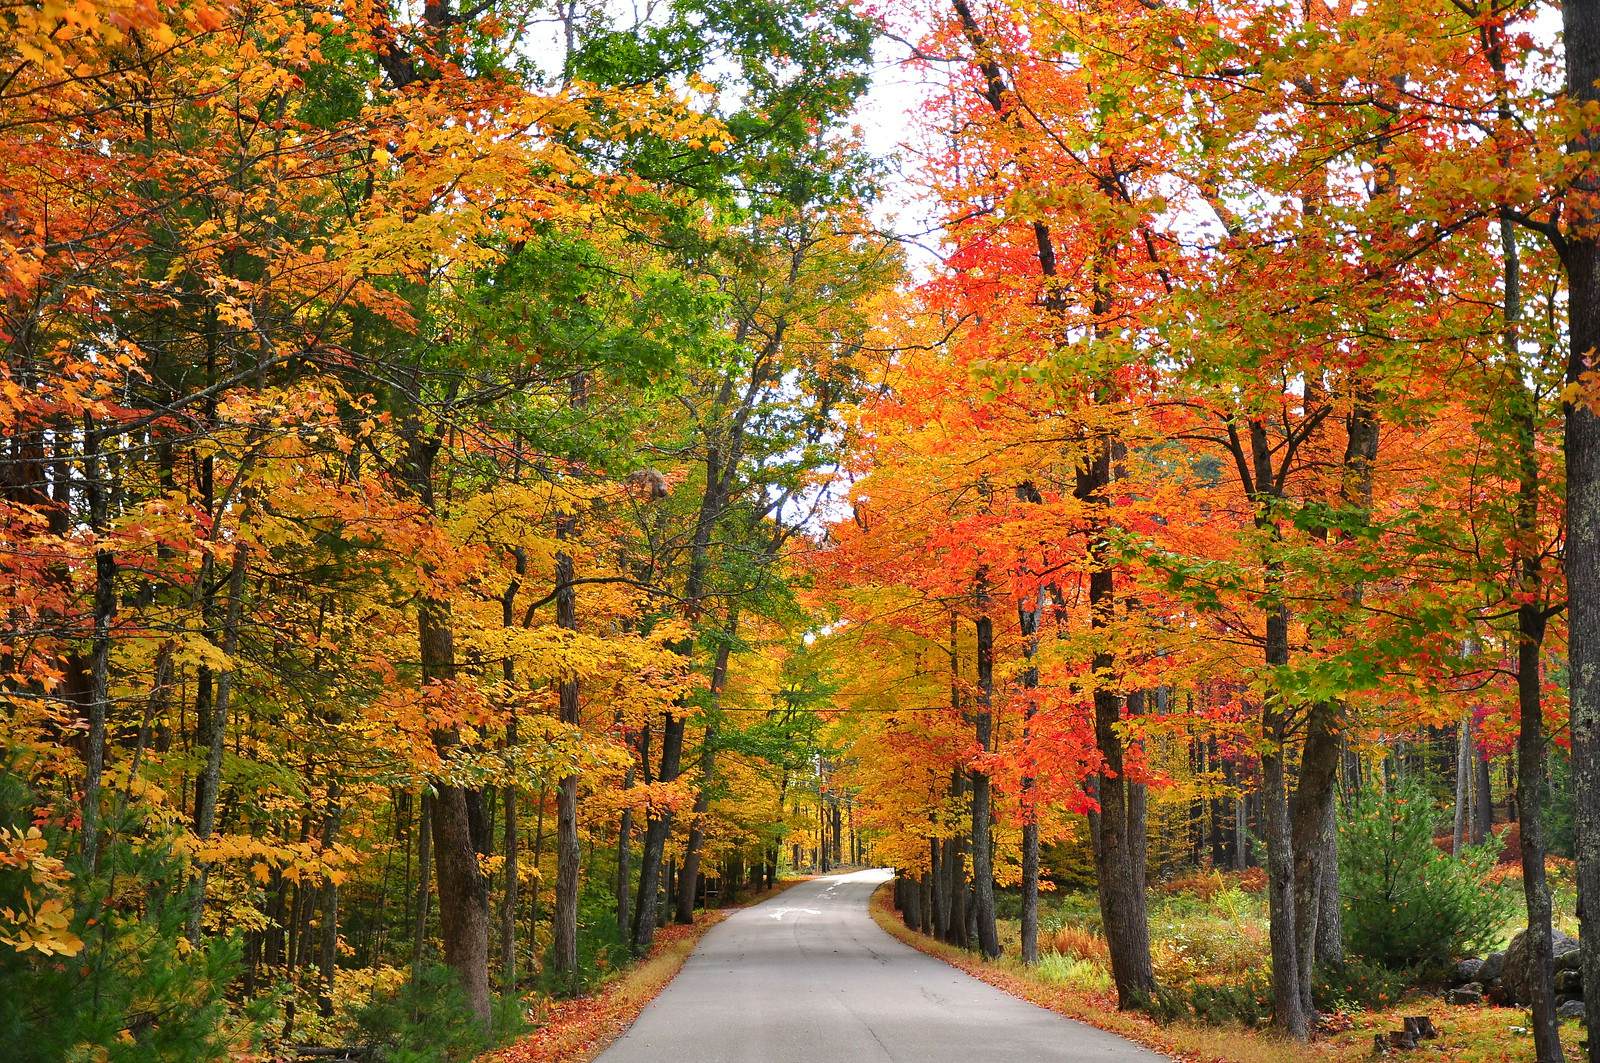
x=483, y=481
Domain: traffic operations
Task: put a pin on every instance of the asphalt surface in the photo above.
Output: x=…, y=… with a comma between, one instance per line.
x=808, y=976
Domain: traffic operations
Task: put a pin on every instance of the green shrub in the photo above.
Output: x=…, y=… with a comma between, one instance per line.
x=1407, y=903
x=1358, y=983
x=1074, y=972
x=428, y=1021
x=1246, y=1001
x=602, y=946
x=135, y=992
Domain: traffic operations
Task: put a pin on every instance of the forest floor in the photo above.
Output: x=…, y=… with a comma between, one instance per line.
x=578, y=1030
x=1220, y=935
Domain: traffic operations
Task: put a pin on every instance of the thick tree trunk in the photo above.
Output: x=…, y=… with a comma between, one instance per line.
x=1118, y=853
x=1312, y=811
x=1581, y=257
x=463, y=889
x=463, y=898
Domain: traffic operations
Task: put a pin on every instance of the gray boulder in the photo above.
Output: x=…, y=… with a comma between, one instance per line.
x=1517, y=975
x=1466, y=971
x=1471, y=993
x=1569, y=961
x=1572, y=1009
x=1493, y=964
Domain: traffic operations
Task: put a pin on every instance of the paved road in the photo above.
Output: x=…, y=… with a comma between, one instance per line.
x=808, y=976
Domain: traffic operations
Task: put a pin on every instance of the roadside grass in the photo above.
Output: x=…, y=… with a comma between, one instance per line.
x=578, y=1030
x=1074, y=983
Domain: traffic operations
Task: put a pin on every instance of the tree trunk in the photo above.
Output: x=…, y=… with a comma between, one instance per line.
x=1530, y=803
x=210, y=782
x=508, y=899
x=658, y=824
x=463, y=889
x=1028, y=627
x=624, y=881
x=1461, y=826
x=1289, y=1013
x=1119, y=870
x=982, y=843
x=1530, y=644
x=564, y=953
x=105, y=608
x=1581, y=258
x=419, y=926
x=708, y=767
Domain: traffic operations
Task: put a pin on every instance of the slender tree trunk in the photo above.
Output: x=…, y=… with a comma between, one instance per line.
x=564, y=955
x=1288, y=1003
x=624, y=881
x=708, y=767
x=1461, y=826
x=982, y=842
x=105, y=608
x=210, y=782
x=509, y=843
x=1530, y=644
x=508, y=898
x=419, y=924
x=1530, y=804
x=1028, y=627
x=658, y=824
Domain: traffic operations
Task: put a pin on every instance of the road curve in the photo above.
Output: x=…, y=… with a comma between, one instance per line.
x=808, y=976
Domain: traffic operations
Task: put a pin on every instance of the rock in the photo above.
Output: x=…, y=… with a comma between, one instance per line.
x=1572, y=1009
x=1466, y=971
x=1569, y=961
x=1471, y=993
x=1517, y=975
x=1493, y=964
x=1570, y=983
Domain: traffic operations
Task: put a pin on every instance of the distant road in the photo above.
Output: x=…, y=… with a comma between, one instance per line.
x=808, y=976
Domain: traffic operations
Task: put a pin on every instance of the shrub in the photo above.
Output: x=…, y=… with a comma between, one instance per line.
x=428, y=1021
x=1206, y=948
x=1204, y=883
x=1075, y=972
x=1406, y=902
x=1078, y=943
x=1359, y=983
x=1246, y=1001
